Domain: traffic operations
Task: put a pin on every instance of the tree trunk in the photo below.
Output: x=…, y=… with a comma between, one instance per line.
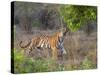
x=25, y=23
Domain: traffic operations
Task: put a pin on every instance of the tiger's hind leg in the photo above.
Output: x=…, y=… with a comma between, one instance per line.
x=39, y=51
x=30, y=48
x=54, y=53
x=49, y=53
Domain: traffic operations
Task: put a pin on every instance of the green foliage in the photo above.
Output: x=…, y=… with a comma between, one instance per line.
x=76, y=16
x=87, y=64
x=71, y=67
x=23, y=64
x=40, y=66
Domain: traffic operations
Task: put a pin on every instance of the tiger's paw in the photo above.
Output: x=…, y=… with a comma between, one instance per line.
x=64, y=52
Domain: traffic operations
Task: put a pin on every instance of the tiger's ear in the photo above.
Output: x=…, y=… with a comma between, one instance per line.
x=65, y=31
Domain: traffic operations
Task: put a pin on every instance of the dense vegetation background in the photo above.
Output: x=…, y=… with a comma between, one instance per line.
x=32, y=19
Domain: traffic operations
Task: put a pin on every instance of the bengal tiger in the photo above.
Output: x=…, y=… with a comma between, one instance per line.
x=53, y=42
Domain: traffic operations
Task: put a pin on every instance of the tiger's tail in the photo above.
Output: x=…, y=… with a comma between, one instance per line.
x=20, y=44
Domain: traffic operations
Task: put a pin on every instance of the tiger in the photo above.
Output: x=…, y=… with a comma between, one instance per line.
x=53, y=42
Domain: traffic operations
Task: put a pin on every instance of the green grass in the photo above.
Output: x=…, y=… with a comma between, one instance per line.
x=23, y=64
x=87, y=64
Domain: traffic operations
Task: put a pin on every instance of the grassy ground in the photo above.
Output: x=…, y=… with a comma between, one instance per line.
x=23, y=64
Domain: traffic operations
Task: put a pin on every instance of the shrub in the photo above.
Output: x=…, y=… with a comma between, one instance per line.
x=87, y=64
x=23, y=64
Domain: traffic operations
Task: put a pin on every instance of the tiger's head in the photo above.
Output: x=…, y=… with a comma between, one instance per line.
x=63, y=32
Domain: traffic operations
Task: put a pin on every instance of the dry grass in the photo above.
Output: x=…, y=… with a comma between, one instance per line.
x=81, y=50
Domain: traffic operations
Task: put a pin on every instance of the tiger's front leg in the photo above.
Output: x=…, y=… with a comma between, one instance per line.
x=61, y=48
x=30, y=48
